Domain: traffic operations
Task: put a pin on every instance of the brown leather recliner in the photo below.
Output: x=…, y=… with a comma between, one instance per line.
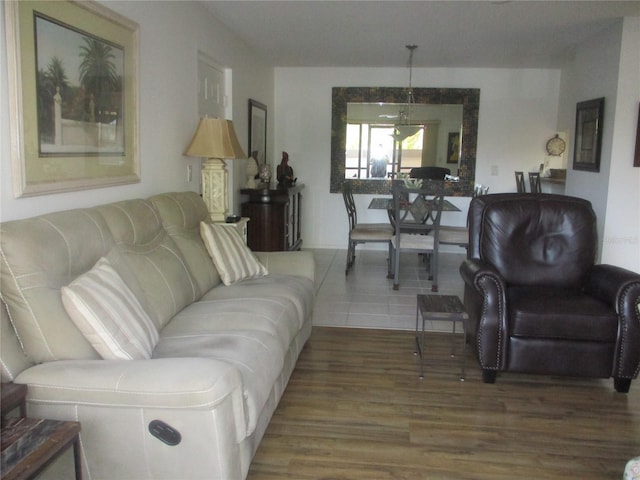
x=536, y=301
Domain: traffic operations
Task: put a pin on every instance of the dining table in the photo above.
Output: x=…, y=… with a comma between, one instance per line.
x=385, y=203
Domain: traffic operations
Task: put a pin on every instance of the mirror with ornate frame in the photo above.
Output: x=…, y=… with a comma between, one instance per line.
x=344, y=98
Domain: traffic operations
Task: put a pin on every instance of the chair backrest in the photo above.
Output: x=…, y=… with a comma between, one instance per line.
x=350, y=204
x=520, y=185
x=534, y=239
x=432, y=173
x=534, y=182
x=416, y=210
x=480, y=189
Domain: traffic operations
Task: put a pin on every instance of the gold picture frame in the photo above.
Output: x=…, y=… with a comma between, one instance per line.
x=73, y=90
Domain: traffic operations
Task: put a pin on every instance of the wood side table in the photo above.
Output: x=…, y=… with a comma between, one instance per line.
x=29, y=445
x=439, y=307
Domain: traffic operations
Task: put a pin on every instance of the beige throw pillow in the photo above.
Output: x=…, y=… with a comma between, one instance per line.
x=231, y=256
x=109, y=315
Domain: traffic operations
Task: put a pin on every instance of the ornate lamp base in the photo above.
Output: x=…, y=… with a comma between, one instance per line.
x=214, y=188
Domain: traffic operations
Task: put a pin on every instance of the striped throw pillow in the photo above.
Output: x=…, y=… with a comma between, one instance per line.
x=109, y=315
x=231, y=256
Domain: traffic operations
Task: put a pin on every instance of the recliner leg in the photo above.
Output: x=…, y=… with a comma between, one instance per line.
x=489, y=376
x=622, y=385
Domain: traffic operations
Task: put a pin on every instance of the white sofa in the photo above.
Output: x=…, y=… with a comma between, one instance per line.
x=217, y=372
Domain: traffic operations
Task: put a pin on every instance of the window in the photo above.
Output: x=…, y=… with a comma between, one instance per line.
x=381, y=151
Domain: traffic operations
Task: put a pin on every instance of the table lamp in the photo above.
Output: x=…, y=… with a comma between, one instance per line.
x=216, y=140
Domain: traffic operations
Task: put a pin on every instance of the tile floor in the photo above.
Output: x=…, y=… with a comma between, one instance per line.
x=365, y=298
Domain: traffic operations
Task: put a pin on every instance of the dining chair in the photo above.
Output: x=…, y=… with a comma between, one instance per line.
x=362, y=232
x=520, y=182
x=534, y=182
x=416, y=224
x=453, y=235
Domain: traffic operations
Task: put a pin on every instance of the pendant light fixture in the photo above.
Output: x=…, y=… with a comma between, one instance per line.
x=404, y=127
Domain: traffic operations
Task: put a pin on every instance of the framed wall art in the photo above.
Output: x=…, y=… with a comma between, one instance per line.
x=73, y=84
x=453, y=147
x=258, y=131
x=588, y=137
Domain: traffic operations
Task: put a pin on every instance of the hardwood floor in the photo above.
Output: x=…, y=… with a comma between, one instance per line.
x=355, y=409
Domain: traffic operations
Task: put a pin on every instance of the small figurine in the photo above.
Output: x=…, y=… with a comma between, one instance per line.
x=284, y=173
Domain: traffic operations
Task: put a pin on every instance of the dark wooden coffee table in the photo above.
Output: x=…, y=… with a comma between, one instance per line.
x=439, y=307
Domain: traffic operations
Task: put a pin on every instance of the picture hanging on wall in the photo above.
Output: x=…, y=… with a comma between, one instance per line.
x=453, y=147
x=588, y=137
x=258, y=131
x=73, y=90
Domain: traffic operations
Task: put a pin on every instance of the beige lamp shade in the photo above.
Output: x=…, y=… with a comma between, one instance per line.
x=215, y=138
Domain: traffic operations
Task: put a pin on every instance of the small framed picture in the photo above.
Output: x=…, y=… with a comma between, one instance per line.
x=453, y=147
x=588, y=138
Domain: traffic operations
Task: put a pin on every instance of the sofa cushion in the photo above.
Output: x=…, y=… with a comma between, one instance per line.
x=257, y=355
x=181, y=214
x=39, y=256
x=275, y=316
x=231, y=256
x=108, y=314
x=148, y=260
x=283, y=288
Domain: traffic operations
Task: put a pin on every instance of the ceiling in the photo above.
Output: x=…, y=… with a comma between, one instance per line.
x=480, y=33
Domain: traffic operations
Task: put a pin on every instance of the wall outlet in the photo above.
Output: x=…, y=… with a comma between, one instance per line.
x=494, y=170
x=189, y=173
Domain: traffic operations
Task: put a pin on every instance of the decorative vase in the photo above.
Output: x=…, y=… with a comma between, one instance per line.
x=265, y=173
x=251, y=171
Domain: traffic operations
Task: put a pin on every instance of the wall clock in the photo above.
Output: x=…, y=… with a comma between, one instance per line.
x=556, y=146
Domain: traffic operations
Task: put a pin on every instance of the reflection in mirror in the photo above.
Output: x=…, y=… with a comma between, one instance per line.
x=384, y=140
x=375, y=137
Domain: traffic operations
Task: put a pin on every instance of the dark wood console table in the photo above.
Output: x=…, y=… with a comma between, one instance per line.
x=275, y=218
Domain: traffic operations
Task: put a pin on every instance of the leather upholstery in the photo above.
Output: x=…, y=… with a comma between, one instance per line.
x=537, y=303
x=431, y=173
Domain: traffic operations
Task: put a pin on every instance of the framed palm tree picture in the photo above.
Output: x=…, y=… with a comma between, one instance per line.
x=73, y=78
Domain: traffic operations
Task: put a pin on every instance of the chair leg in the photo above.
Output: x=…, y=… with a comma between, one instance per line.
x=349, y=261
x=434, y=271
x=396, y=269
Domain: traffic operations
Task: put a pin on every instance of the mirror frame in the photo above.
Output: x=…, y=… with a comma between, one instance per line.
x=469, y=98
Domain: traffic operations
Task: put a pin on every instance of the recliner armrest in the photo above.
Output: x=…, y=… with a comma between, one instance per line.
x=620, y=288
x=485, y=301
x=180, y=383
x=289, y=263
x=608, y=282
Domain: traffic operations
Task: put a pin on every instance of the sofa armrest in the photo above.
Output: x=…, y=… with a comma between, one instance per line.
x=485, y=301
x=181, y=383
x=289, y=263
x=620, y=288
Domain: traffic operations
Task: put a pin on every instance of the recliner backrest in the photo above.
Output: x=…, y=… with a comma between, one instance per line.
x=534, y=239
x=431, y=173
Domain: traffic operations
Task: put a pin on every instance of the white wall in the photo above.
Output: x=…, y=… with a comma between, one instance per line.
x=171, y=33
x=621, y=238
x=518, y=114
x=608, y=65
